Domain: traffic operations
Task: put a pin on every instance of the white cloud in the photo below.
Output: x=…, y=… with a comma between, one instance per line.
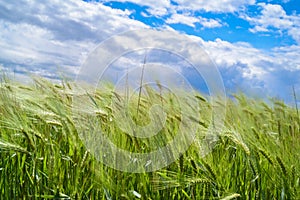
x=150, y=3
x=163, y=7
x=209, y=6
x=173, y=49
x=240, y=55
x=190, y=20
x=215, y=6
x=210, y=23
x=182, y=19
x=256, y=71
x=274, y=16
x=56, y=34
x=258, y=29
x=36, y=36
x=156, y=8
x=288, y=57
x=158, y=11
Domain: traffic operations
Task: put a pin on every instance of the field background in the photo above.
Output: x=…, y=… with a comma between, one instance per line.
x=42, y=156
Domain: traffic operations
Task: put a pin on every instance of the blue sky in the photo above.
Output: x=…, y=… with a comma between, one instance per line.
x=254, y=43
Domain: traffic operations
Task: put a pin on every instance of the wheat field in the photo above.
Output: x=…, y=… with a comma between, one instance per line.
x=42, y=155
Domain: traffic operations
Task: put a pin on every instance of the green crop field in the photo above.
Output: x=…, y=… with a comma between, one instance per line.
x=42, y=155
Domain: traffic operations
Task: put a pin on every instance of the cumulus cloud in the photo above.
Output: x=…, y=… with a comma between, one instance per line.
x=171, y=45
x=220, y=6
x=41, y=37
x=47, y=37
x=182, y=19
x=156, y=8
x=256, y=71
x=227, y=54
x=274, y=16
x=158, y=11
x=190, y=20
x=210, y=23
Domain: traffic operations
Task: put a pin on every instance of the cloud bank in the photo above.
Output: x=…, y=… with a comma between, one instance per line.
x=53, y=37
x=45, y=37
